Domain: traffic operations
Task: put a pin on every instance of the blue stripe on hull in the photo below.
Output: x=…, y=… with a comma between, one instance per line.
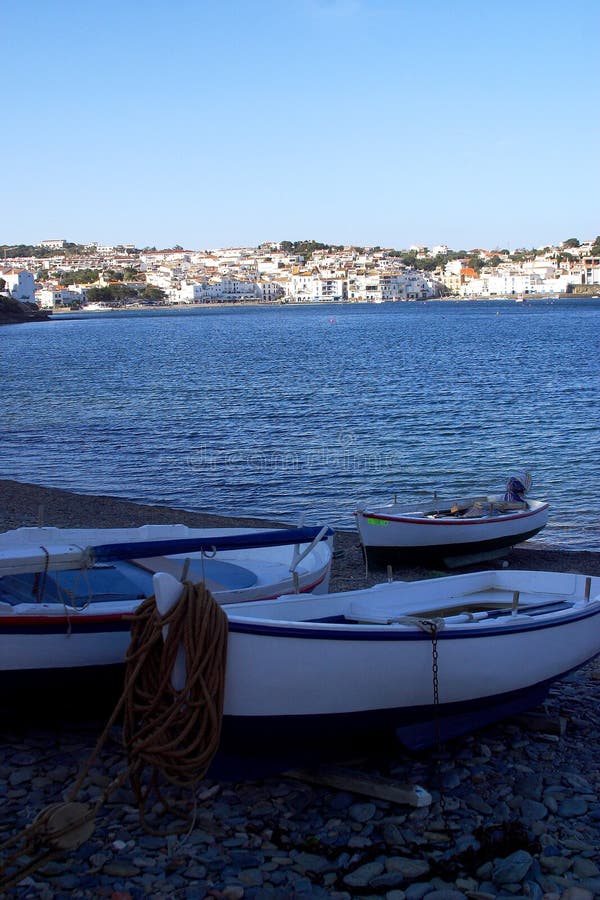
x=415, y=726
x=74, y=625
x=261, y=746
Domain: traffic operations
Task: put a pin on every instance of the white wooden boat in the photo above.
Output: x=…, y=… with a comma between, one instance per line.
x=445, y=529
x=65, y=594
x=449, y=653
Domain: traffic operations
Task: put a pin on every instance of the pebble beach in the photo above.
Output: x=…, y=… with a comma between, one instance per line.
x=511, y=811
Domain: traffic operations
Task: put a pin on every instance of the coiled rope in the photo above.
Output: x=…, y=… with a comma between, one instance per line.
x=169, y=732
x=165, y=732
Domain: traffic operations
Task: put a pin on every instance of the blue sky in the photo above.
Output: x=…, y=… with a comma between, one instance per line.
x=372, y=122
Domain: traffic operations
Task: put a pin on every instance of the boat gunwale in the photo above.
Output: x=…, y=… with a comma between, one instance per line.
x=350, y=631
x=396, y=631
x=451, y=520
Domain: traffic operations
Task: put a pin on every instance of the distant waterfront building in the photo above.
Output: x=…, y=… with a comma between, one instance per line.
x=514, y=283
x=19, y=284
x=270, y=291
x=301, y=287
x=224, y=290
x=381, y=286
x=49, y=298
x=201, y=292
x=591, y=270
x=307, y=287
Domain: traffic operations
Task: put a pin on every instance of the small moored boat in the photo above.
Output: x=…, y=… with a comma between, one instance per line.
x=445, y=529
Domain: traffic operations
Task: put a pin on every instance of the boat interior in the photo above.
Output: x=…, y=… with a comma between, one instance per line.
x=465, y=508
x=456, y=599
x=118, y=582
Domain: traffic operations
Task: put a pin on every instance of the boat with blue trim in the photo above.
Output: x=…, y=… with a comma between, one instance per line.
x=66, y=595
x=420, y=659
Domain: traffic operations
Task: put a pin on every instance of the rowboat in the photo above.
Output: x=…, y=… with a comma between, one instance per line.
x=65, y=594
x=421, y=659
x=445, y=529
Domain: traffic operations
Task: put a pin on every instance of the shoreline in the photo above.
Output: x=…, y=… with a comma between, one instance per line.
x=269, y=304
x=23, y=503
x=349, y=830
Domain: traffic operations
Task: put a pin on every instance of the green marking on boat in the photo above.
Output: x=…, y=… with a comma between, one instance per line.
x=372, y=521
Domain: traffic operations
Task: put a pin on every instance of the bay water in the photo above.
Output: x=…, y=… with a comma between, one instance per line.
x=311, y=411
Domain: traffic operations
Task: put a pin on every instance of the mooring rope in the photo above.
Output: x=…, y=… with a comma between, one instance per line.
x=169, y=732
x=165, y=732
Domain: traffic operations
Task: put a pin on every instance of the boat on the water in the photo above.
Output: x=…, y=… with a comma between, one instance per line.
x=66, y=594
x=421, y=659
x=487, y=525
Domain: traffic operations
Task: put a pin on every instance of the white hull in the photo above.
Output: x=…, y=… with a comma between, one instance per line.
x=55, y=616
x=279, y=664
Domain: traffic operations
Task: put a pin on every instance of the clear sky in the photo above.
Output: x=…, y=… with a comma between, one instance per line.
x=212, y=123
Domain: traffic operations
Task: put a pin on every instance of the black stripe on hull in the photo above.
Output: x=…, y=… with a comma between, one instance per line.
x=439, y=552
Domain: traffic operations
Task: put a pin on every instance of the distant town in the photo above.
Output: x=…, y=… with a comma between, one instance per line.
x=58, y=275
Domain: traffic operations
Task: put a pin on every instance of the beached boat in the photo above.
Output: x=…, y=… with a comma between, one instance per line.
x=446, y=529
x=439, y=656
x=65, y=594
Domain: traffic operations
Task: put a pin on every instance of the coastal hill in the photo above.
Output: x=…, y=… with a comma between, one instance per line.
x=13, y=311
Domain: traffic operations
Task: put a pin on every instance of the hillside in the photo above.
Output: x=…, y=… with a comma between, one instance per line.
x=13, y=311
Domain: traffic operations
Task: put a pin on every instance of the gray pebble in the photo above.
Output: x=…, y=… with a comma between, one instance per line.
x=512, y=868
x=362, y=876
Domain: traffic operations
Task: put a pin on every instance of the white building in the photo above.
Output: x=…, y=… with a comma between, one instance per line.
x=380, y=286
x=199, y=292
x=162, y=278
x=514, y=283
x=591, y=270
x=225, y=290
x=302, y=287
x=54, y=244
x=233, y=289
x=48, y=298
x=270, y=291
x=19, y=284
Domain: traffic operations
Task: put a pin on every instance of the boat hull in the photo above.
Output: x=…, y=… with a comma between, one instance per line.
x=299, y=681
x=57, y=617
x=389, y=535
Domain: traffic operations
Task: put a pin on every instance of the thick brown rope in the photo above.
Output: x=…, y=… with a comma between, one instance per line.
x=167, y=732
x=173, y=733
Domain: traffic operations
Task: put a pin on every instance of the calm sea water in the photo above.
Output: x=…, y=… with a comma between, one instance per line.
x=284, y=412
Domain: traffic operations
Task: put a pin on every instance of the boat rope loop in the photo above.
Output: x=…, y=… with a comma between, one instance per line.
x=431, y=626
x=175, y=733
x=166, y=731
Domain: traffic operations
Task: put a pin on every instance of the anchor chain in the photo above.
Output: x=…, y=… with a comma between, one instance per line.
x=433, y=627
x=435, y=670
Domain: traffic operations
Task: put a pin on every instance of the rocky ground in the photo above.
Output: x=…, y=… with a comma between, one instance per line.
x=512, y=811
x=13, y=312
